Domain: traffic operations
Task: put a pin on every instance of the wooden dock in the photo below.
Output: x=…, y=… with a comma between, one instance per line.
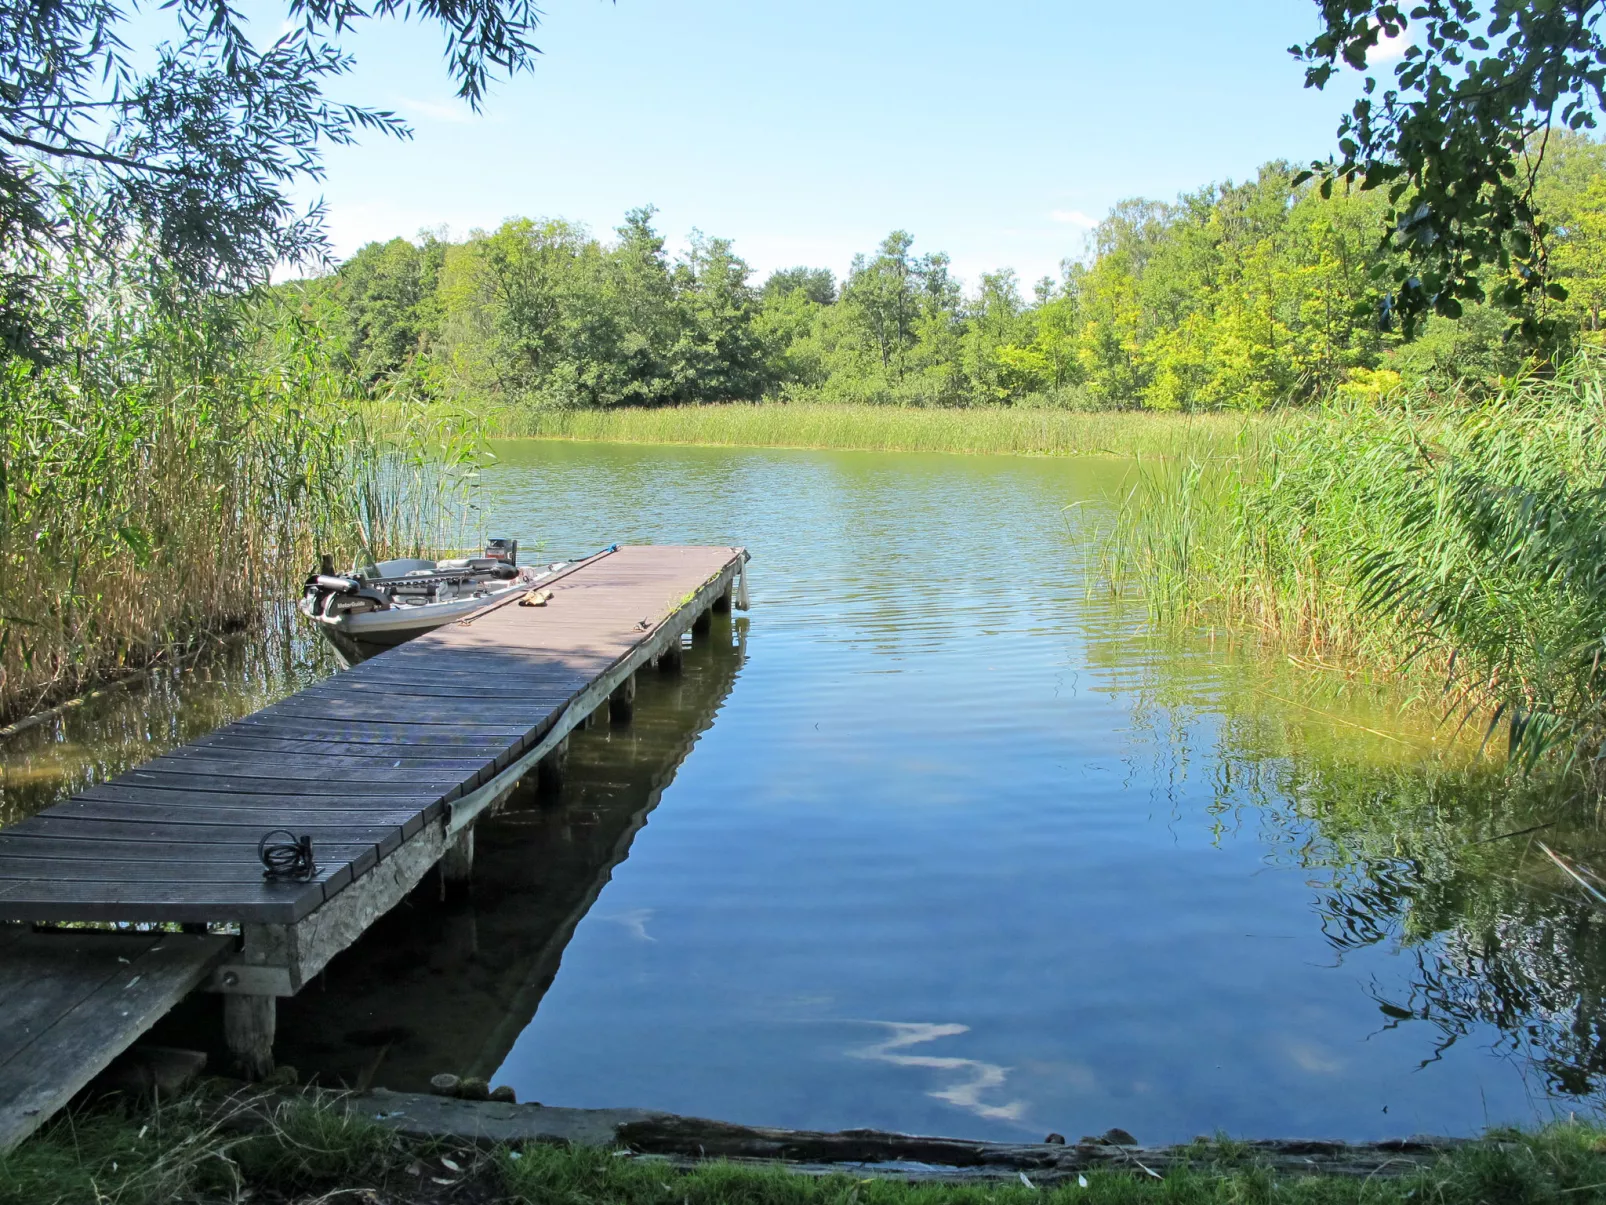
x=386, y=766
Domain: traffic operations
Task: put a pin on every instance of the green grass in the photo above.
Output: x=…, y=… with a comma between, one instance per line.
x=886, y=428
x=1459, y=540
x=213, y=1147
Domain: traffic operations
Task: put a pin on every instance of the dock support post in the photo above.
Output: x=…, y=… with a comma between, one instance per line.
x=549, y=770
x=457, y=864
x=703, y=624
x=248, y=1027
x=669, y=659
x=622, y=703
x=722, y=604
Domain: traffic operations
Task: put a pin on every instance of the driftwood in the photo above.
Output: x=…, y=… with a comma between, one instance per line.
x=694, y=1138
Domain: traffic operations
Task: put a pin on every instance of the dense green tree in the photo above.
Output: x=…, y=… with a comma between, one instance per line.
x=387, y=291
x=1238, y=295
x=816, y=284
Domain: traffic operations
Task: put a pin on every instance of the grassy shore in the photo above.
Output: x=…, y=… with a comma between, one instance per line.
x=886, y=429
x=1458, y=540
x=217, y=1148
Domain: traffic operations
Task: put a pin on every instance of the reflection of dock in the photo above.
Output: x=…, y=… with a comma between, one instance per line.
x=436, y=988
x=389, y=768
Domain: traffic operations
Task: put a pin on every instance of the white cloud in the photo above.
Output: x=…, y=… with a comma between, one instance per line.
x=1073, y=217
x=455, y=112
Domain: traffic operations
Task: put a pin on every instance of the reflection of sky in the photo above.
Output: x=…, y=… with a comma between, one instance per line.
x=965, y=1082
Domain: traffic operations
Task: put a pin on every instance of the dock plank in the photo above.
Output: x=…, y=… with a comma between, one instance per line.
x=70, y=1004
x=361, y=762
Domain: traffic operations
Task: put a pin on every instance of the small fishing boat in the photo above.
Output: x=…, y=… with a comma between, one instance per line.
x=376, y=607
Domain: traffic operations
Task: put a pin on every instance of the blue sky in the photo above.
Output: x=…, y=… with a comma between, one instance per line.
x=805, y=132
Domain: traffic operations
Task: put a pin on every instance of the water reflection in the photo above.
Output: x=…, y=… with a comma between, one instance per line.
x=1429, y=854
x=973, y=1081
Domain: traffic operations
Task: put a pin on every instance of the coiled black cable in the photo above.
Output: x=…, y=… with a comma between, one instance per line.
x=287, y=859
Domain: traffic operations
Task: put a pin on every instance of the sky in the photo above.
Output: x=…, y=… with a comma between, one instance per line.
x=998, y=133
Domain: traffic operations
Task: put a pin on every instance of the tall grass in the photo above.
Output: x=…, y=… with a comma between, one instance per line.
x=883, y=428
x=174, y=469
x=1446, y=537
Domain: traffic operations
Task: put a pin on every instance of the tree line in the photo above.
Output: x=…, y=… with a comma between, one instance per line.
x=1240, y=296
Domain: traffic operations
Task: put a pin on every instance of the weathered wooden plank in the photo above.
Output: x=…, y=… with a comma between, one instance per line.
x=409, y=820
x=225, y=746
x=38, y=986
x=557, y=666
x=423, y=787
x=503, y=716
x=117, y=1002
x=384, y=837
x=361, y=858
x=281, y=903
x=241, y=867
x=390, y=732
x=311, y=762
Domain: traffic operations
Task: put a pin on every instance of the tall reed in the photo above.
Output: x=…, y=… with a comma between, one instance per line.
x=881, y=428
x=177, y=467
x=1442, y=537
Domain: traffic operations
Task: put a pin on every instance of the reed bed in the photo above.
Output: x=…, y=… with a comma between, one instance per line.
x=1457, y=540
x=178, y=469
x=1032, y=432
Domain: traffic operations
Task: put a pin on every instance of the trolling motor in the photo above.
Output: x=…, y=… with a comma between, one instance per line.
x=324, y=586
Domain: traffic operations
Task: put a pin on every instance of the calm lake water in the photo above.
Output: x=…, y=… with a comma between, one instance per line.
x=939, y=838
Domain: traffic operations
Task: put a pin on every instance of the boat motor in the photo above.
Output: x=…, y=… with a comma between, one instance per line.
x=501, y=548
x=322, y=589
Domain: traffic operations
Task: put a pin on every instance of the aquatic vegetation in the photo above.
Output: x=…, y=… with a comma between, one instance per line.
x=888, y=428
x=171, y=471
x=1463, y=540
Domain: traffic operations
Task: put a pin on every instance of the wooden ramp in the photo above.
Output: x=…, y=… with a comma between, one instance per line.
x=385, y=767
x=71, y=1002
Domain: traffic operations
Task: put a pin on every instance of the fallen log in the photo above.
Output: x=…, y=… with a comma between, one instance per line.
x=696, y=1138
x=685, y=1141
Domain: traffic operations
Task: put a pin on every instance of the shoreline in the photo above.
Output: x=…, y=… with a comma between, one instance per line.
x=222, y=1141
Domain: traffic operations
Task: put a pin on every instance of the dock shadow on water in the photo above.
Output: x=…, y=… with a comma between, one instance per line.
x=448, y=985
x=943, y=839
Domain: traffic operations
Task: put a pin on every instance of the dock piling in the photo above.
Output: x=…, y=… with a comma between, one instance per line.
x=248, y=1028
x=622, y=703
x=457, y=865
x=550, y=769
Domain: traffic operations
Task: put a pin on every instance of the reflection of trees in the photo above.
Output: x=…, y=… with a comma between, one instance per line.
x=1440, y=864
x=1420, y=848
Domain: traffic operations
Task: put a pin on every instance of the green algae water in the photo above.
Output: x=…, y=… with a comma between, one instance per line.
x=939, y=838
